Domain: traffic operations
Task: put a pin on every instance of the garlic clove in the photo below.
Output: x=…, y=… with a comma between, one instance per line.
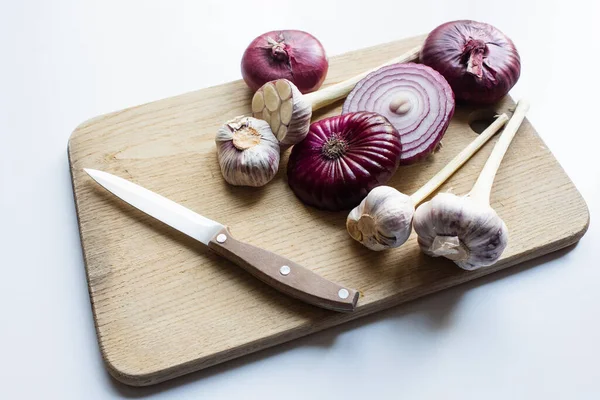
x=276, y=121
x=282, y=105
x=258, y=102
x=266, y=116
x=287, y=107
x=272, y=100
x=382, y=220
x=282, y=132
x=283, y=89
x=465, y=231
x=247, y=151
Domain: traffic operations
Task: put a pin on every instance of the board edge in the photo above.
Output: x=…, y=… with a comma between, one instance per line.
x=158, y=376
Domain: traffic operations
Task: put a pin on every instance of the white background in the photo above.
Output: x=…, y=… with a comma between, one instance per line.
x=531, y=332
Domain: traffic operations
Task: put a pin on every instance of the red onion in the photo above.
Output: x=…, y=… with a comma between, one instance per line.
x=293, y=55
x=480, y=63
x=416, y=99
x=342, y=158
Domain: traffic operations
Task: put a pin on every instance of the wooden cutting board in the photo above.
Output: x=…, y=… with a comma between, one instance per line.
x=165, y=306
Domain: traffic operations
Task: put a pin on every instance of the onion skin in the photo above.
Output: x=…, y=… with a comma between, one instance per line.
x=480, y=63
x=288, y=54
x=342, y=158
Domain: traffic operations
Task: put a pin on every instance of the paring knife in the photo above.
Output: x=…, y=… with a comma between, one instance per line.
x=279, y=272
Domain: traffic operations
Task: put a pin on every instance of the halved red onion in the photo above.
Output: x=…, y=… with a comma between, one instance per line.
x=416, y=99
x=342, y=158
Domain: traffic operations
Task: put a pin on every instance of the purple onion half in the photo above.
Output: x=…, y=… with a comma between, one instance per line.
x=342, y=158
x=416, y=99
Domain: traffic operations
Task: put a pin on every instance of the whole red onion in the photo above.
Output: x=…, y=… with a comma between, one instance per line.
x=293, y=55
x=480, y=63
x=342, y=158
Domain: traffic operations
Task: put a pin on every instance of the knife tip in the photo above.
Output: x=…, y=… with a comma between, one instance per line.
x=93, y=173
x=89, y=171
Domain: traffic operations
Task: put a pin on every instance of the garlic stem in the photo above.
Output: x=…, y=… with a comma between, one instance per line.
x=458, y=161
x=333, y=93
x=483, y=186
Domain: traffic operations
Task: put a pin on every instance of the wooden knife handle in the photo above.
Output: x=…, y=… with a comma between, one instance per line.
x=284, y=275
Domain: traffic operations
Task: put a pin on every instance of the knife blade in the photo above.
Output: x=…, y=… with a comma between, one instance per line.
x=279, y=272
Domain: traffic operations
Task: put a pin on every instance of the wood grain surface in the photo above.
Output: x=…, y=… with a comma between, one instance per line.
x=165, y=305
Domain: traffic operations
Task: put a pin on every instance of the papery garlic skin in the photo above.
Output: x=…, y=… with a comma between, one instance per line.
x=247, y=151
x=382, y=220
x=281, y=104
x=460, y=229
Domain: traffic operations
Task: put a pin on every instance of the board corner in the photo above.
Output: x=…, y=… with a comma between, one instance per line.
x=127, y=375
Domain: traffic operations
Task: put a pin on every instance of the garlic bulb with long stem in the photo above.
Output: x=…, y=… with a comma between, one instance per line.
x=248, y=152
x=383, y=219
x=288, y=111
x=466, y=229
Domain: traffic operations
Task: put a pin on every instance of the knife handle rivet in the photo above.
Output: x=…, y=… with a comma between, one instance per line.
x=221, y=238
x=343, y=293
x=285, y=270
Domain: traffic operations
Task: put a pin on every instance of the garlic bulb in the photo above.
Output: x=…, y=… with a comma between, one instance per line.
x=466, y=229
x=248, y=152
x=461, y=229
x=281, y=104
x=382, y=220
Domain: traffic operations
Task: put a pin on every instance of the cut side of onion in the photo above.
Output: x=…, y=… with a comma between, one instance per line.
x=415, y=98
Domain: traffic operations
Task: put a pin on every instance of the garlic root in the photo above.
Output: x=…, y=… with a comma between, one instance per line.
x=383, y=219
x=288, y=111
x=450, y=247
x=466, y=229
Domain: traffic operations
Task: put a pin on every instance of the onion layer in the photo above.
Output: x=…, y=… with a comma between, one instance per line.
x=293, y=55
x=416, y=99
x=480, y=62
x=342, y=158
